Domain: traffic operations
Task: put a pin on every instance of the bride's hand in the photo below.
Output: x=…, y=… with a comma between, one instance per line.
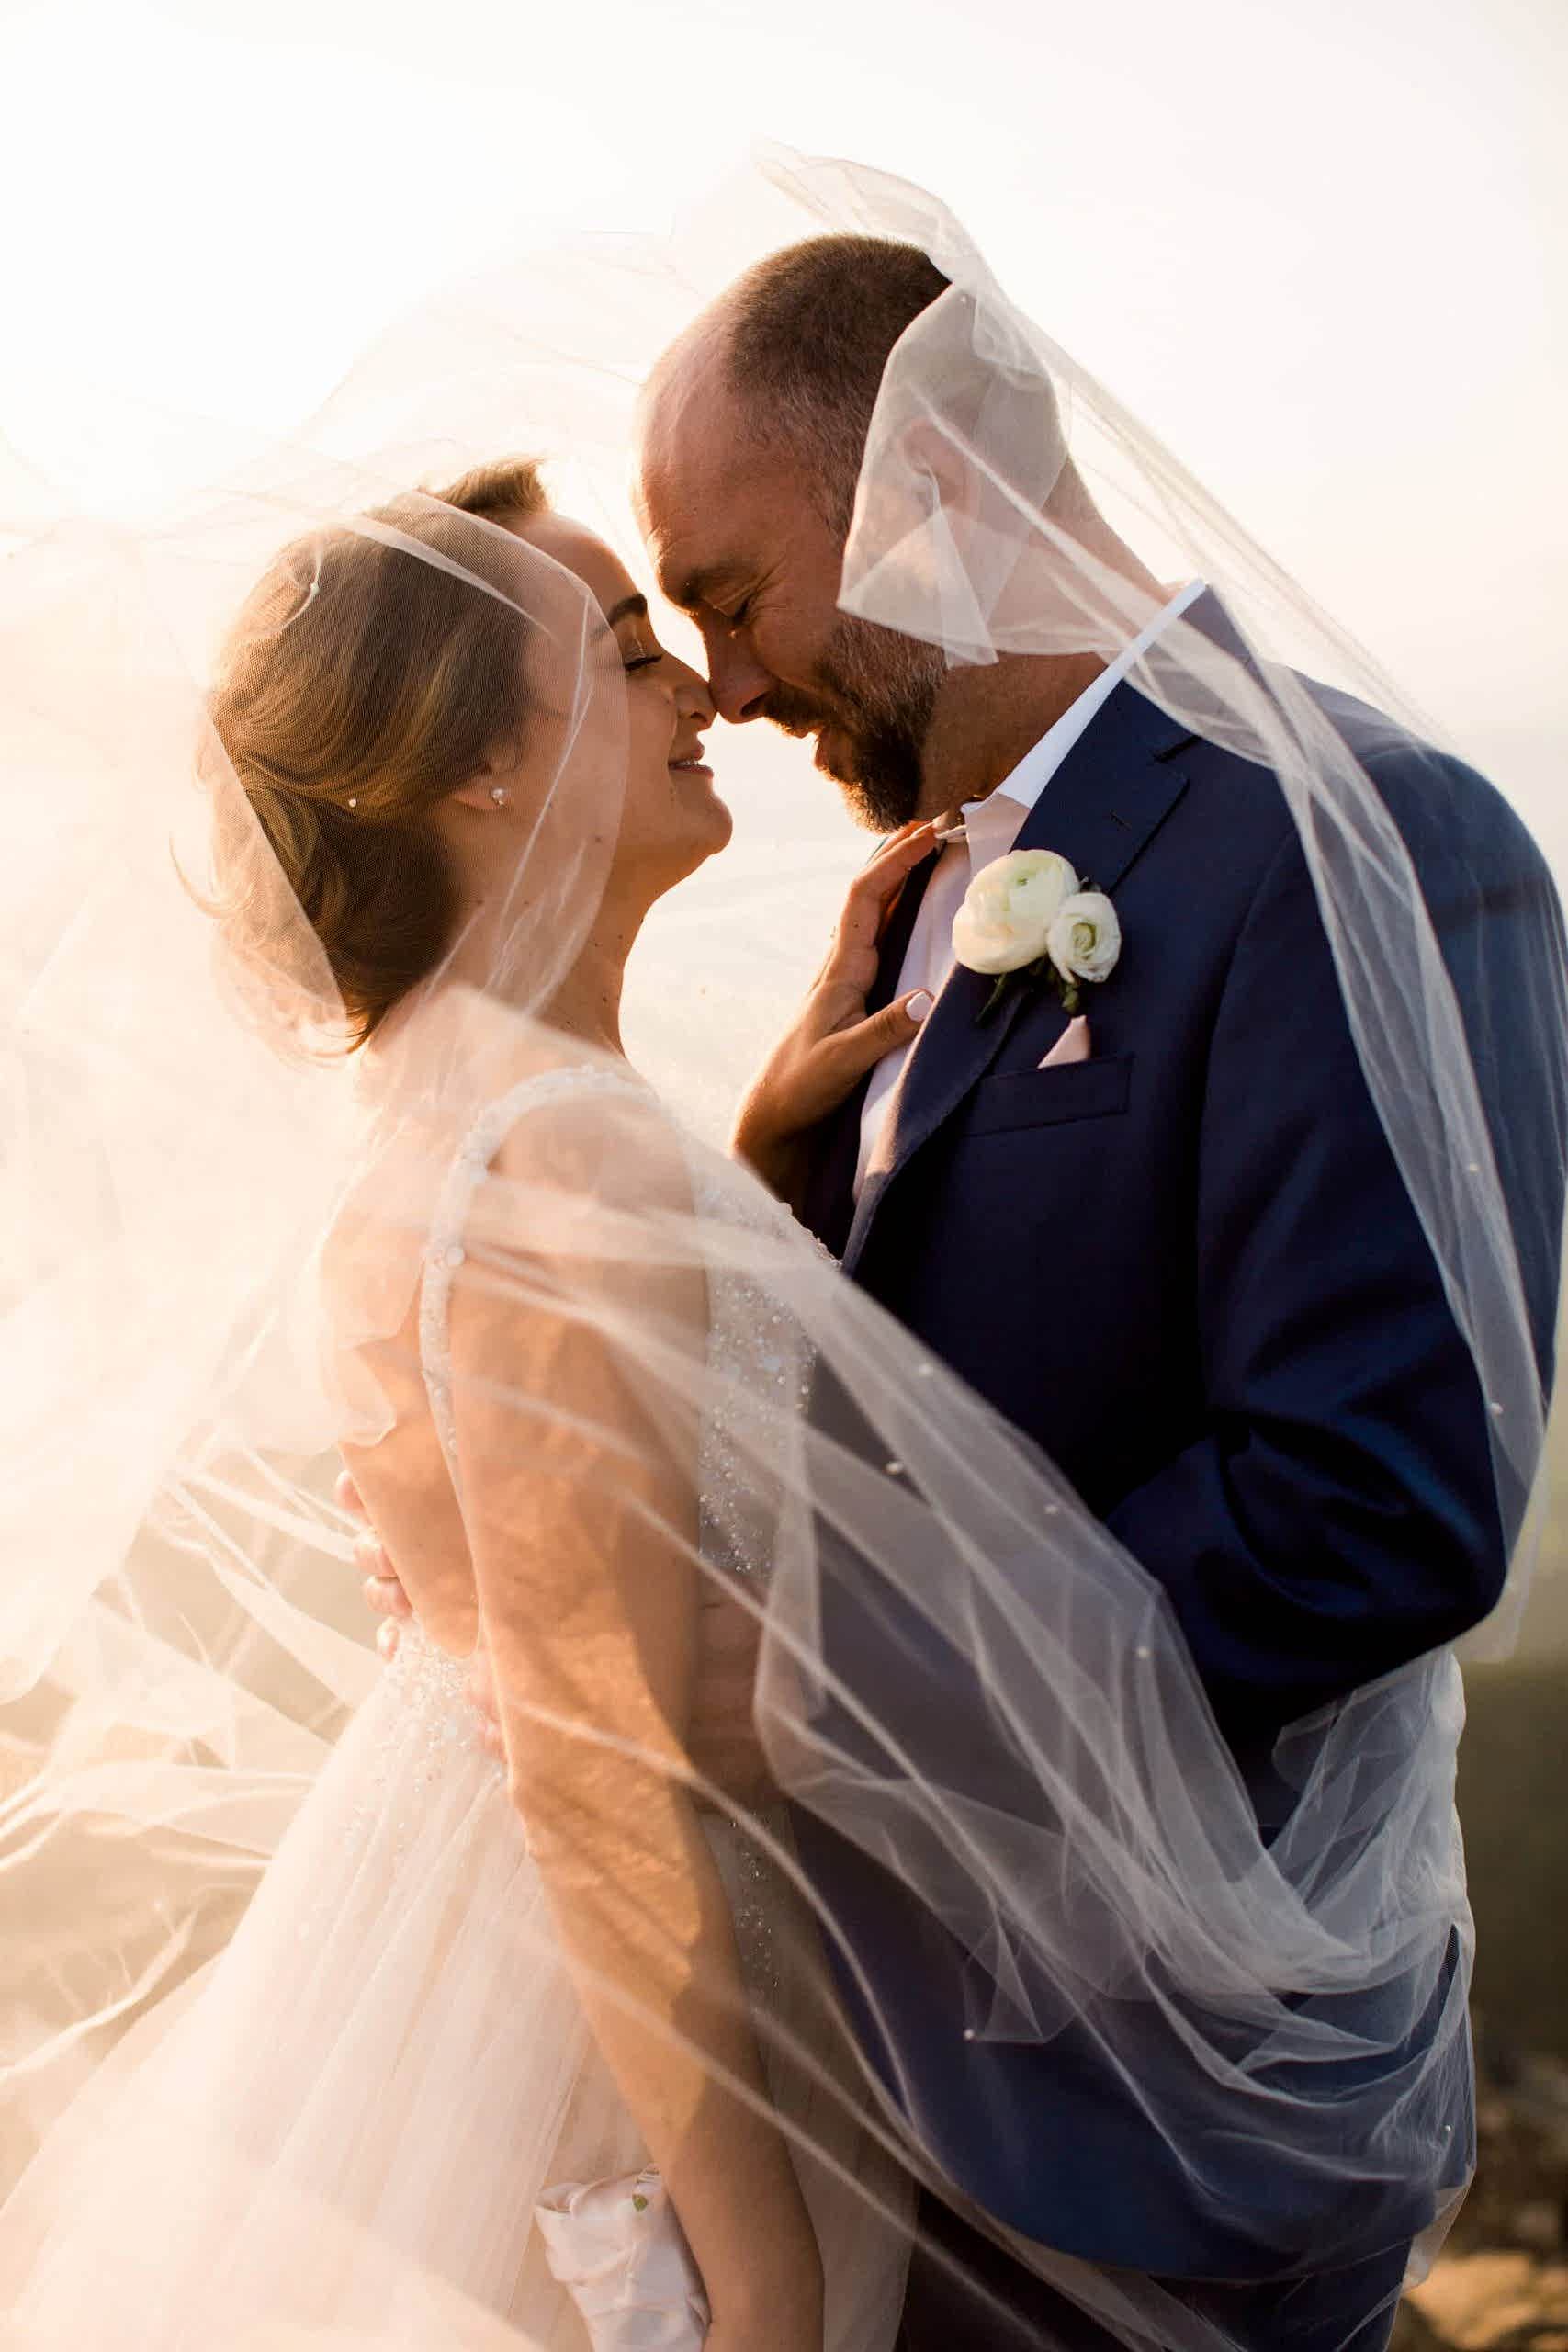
x=832, y=1045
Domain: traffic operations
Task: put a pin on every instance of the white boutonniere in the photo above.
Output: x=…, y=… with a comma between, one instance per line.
x=1027, y=917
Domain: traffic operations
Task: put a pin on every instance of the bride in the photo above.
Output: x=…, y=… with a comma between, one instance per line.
x=462, y=1993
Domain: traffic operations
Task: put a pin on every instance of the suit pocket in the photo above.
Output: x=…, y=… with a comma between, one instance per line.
x=1046, y=1098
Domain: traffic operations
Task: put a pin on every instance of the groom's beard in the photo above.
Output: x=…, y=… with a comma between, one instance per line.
x=878, y=691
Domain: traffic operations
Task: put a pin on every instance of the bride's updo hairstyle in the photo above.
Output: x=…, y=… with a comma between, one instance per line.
x=360, y=687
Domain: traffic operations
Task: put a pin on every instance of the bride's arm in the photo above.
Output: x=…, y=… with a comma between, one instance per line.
x=578, y=1480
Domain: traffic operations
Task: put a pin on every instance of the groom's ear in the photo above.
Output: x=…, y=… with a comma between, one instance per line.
x=926, y=449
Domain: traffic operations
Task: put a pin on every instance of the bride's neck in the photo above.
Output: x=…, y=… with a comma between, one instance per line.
x=584, y=1003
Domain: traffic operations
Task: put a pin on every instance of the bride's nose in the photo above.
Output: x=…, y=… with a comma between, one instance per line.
x=692, y=699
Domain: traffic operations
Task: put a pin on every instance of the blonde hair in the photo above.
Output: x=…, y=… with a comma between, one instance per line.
x=360, y=687
x=506, y=486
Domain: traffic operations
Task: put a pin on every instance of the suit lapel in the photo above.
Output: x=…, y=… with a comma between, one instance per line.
x=1103, y=804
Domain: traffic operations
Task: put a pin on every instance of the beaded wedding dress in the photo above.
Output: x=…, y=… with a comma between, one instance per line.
x=341, y=2136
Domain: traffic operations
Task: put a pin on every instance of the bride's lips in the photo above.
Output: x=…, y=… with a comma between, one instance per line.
x=690, y=763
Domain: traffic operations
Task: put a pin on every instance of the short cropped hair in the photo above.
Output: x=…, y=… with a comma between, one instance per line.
x=806, y=334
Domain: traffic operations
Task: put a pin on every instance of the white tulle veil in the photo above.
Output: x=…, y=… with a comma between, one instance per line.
x=179, y=1622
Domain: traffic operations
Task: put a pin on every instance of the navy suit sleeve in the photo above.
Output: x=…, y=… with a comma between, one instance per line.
x=1340, y=1515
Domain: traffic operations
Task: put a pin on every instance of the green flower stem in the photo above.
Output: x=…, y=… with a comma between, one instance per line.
x=1031, y=972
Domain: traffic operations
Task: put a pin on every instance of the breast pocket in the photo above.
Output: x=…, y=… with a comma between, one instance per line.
x=1048, y=1098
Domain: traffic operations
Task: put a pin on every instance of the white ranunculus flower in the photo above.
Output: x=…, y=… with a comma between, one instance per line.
x=1084, y=938
x=1009, y=910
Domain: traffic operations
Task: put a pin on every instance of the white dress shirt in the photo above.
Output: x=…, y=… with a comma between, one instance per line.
x=990, y=827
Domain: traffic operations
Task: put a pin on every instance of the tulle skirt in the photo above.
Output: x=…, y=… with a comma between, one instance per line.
x=339, y=2133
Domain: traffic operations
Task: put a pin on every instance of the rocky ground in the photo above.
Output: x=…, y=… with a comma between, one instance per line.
x=1501, y=2282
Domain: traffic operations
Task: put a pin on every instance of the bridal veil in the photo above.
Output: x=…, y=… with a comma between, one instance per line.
x=180, y=1633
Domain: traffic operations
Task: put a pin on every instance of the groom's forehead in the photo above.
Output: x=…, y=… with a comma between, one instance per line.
x=702, y=496
x=694, y=567
x=699, y=449
x=687, y=480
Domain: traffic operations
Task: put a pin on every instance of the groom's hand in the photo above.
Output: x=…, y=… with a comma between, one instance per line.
x=832, y=1043
x=723, y=1745
x=385, y=1595
x=379, y=1582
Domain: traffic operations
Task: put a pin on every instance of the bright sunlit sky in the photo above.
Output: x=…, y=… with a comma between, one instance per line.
x=1318, y=247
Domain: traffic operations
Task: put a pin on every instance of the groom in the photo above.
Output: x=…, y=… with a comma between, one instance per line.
x=1272, y=1409
x=1246, y=1365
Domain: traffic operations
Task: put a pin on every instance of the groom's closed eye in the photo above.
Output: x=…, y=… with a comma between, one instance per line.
x=709, y=589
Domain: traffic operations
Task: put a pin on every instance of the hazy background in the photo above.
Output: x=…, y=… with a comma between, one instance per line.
x=1319, y=249
x=1315, y=249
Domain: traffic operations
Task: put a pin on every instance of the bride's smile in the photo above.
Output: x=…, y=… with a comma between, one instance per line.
x=669, y=817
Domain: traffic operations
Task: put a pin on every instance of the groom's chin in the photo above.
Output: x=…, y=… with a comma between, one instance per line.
x=879, y=799
x=837, y=757
x=833, y=754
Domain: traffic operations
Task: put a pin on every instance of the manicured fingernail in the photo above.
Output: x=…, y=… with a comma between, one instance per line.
x=919, y=1004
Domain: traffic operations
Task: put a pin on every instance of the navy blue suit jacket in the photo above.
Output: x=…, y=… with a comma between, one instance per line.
x=1277, y=1414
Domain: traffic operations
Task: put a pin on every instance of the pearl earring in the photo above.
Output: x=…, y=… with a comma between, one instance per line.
x=497, y=793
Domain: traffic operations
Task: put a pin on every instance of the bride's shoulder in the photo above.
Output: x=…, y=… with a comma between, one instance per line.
x=469, y=1082
x=590, y=1130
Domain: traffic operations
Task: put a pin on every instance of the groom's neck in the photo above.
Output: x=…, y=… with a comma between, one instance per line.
x=988, y=716
x=985, y=721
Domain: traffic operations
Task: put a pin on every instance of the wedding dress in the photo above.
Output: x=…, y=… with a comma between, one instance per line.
x=342, y=2134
